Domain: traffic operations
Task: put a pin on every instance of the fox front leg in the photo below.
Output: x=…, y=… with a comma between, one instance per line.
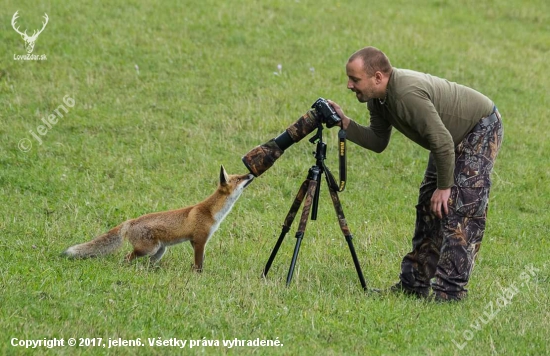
x=198, y=249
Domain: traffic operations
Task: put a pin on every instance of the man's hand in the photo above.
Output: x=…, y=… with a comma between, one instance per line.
x=439, y=200
x=345, y=120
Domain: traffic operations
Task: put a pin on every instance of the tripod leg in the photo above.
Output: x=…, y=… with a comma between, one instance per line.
x=302, y=227
x=286, y=225
x=347, y=234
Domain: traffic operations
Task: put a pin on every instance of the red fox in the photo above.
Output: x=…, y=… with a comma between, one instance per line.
x=150, y=234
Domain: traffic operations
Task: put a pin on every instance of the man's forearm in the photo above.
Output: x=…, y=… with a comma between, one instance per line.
x=445, y=165
x=365, y=137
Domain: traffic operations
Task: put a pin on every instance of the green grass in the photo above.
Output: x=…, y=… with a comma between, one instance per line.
x=205, y=95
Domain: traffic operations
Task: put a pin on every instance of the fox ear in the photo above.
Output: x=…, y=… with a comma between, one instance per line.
x=223, y=176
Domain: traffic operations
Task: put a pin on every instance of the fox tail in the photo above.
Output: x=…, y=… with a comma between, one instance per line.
x=101, y=245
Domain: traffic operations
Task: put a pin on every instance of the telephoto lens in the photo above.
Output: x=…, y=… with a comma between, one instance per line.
x=262, y=157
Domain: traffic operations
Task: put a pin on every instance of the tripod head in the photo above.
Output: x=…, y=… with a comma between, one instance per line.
x=321, y=153
x=321, y=148
x=320, y=167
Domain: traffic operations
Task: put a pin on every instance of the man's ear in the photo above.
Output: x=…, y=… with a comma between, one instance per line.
x=378, y=76
x=223, y=176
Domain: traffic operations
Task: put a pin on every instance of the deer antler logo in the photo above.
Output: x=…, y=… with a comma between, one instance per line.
x=29, y=40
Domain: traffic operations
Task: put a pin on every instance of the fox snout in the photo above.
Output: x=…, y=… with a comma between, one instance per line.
x=249, y=178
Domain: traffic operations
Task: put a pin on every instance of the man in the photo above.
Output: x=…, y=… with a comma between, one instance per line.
x=463, y=131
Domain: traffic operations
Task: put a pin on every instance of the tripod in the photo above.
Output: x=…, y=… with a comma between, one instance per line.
x=310, y=191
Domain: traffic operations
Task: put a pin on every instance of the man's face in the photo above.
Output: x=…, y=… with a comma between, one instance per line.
x=363, y=85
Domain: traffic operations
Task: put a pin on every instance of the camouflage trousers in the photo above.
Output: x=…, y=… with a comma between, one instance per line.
x=446, y=248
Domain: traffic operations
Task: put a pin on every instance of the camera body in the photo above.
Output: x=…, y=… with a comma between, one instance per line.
x=325, y=113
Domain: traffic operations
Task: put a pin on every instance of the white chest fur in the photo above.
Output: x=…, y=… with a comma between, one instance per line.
x=224, y=211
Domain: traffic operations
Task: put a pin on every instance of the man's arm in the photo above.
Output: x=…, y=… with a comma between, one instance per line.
x=374, y=137
x=423, y=118
x=427, y=122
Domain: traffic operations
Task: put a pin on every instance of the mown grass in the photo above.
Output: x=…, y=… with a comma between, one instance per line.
x=152, y=137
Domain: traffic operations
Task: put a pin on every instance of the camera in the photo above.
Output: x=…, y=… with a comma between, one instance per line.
x=261, y=158
x=326, y=113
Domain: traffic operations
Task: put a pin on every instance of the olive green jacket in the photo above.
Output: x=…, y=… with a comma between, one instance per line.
x=431, y=111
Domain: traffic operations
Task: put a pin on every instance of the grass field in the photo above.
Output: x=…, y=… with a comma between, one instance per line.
x=166, y=92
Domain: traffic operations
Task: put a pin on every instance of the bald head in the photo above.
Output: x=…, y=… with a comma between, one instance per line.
x=374, y=60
